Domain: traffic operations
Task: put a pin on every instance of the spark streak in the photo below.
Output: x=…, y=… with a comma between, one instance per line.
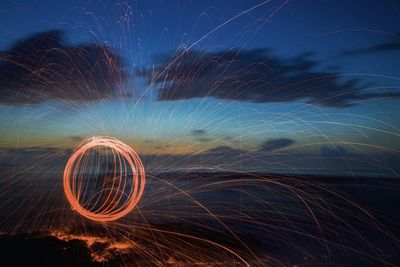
x=104, y=195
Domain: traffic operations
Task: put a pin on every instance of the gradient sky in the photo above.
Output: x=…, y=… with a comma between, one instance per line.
x=344, y=38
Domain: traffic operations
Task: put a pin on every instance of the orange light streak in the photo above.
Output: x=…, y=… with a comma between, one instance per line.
x=110, y=195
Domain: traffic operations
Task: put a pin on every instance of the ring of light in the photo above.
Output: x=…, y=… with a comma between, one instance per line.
x=122, y=202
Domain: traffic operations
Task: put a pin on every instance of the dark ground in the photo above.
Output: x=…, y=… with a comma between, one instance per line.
x=359, y=221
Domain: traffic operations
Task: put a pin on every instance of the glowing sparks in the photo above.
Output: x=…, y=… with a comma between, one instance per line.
x=111, y=248
x=104, y=179
x=258, y=154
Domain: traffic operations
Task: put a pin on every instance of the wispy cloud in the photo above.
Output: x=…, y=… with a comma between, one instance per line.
x=275, y=144
x=392, y=45
x=201, y=135
x=199, y=132
x=44, y=66
x=76, y=138
x=256, y=76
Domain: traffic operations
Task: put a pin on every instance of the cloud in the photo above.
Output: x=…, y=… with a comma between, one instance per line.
x=44, y=67
x=255, y=76
x=275, y=144
x=198, y=132
x=201, y=135
x=392, y=45
x=77, y=138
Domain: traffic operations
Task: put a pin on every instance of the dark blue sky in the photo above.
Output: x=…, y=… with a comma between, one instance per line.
x=346, y=126
x=162, y=26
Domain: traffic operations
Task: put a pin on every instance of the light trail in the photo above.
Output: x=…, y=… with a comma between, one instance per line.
x=104, y=195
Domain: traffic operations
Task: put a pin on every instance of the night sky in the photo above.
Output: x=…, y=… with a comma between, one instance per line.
x=274, y=86
x=200, y=132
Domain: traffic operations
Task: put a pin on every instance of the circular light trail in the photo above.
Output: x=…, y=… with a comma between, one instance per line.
x=103, y=179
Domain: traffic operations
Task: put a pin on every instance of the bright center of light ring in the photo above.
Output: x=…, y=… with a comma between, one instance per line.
x=104, y=179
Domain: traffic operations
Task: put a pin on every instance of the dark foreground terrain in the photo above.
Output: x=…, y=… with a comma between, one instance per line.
x=185, y=220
